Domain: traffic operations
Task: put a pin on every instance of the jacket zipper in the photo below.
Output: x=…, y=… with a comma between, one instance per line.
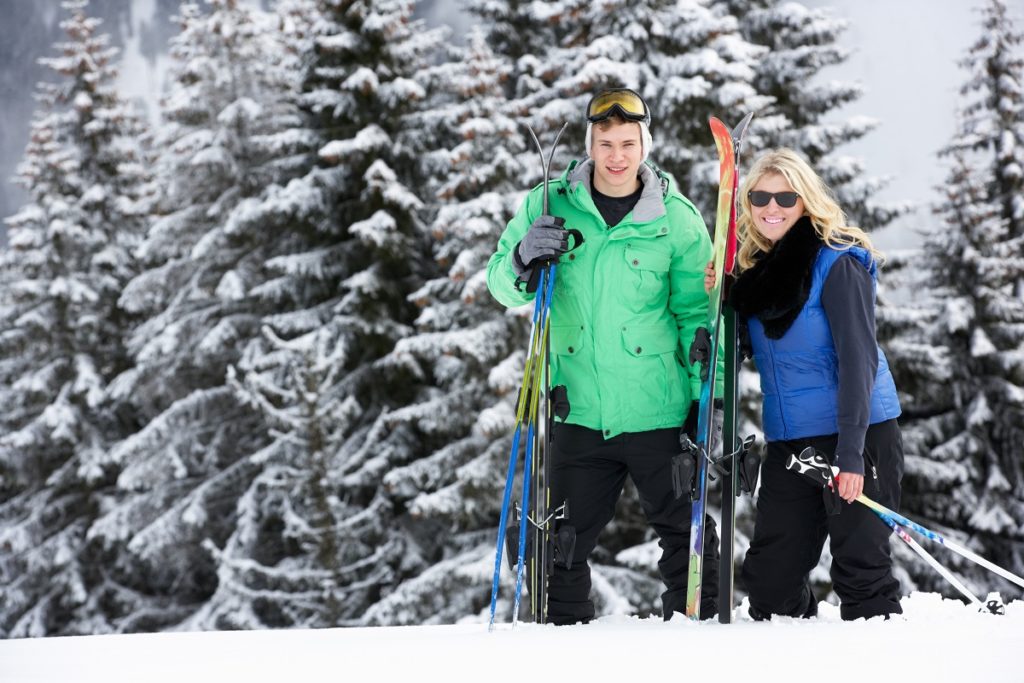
x=593, y=328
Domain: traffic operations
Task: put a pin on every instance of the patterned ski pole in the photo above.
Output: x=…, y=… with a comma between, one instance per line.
x=938, y=538
x=933, y=563
x=814, y=464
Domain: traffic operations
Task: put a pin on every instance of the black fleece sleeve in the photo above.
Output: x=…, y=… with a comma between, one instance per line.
x=849, y=301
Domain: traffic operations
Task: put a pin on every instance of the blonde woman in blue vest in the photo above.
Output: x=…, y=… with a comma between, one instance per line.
x=806, y=296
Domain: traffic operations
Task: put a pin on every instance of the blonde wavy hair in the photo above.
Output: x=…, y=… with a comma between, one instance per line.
x=820, y=206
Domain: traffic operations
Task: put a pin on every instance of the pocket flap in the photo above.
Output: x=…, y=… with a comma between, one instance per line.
x=649, y=340
x=647, y=259
x=567, y=340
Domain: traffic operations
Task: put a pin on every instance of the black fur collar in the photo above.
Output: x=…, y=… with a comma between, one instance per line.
x=776, y=288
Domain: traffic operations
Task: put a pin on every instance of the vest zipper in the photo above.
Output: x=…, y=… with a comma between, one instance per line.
x=874, y=470
x=770, y=345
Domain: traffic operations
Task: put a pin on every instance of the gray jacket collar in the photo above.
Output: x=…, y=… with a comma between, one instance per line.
x=651, y=204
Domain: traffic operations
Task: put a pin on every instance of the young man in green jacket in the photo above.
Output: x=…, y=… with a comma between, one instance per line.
x=627, y=304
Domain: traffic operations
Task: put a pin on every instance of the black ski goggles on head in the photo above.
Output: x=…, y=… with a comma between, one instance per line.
x=621, y=101
x=787, y=200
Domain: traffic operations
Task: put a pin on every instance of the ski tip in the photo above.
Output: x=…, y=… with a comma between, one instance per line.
x=741, y=127
x=723, y=141
x=717, y=126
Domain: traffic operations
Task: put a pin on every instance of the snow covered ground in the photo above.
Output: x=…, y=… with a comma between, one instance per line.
x=935, y=640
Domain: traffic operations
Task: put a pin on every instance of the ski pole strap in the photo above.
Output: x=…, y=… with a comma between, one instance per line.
x=577, y=238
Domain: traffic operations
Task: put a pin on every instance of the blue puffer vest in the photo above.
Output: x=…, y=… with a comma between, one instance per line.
x=799, y=377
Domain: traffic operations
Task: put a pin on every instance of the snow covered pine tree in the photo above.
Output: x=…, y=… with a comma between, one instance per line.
x=465, y=350
x=965, y=426
x=61, y=340
x=230, y=128
x=315, y=540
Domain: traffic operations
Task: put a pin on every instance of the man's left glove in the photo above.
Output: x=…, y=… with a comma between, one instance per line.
x=546, y=240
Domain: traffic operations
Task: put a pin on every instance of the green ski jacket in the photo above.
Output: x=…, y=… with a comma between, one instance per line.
x=626, y=305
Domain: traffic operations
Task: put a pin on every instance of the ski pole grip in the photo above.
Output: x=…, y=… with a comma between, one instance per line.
x=813, y=464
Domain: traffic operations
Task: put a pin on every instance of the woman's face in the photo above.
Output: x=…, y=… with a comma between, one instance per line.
x=772, y=220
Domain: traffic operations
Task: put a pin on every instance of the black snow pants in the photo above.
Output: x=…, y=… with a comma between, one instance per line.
x=589, y=472
x=791, y=526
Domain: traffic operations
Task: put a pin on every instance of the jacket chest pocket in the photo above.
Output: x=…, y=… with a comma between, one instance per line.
x=647, y=267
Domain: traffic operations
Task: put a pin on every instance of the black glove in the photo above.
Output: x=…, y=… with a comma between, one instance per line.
x=546, y=240
x=700, y=351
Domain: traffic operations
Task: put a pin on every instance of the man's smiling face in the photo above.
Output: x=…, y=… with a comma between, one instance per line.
x=617, y=151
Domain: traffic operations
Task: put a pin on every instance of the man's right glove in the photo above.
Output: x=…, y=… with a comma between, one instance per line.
x=546, y=240
x=700, y=351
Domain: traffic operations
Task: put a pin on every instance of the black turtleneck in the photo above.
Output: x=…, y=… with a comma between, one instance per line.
x=614, y=209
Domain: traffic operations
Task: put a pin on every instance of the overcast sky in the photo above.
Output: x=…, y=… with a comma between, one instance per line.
x=904, y=53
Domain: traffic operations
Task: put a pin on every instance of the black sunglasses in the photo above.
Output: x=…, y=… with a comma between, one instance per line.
x=787, y=200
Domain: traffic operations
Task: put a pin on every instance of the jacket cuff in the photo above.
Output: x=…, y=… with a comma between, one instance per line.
x=517, y=263
x=849, y=461
x=850, y=448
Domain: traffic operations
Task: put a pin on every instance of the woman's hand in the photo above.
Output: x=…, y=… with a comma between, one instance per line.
x=850, y=485
x=709, y=277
